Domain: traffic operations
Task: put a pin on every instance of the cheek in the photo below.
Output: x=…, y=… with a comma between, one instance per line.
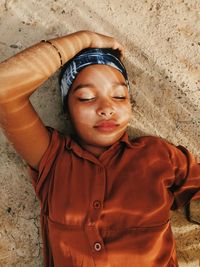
x=82, y=115
x=125, y=111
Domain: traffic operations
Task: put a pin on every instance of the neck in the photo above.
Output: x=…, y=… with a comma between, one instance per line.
x=95, y=150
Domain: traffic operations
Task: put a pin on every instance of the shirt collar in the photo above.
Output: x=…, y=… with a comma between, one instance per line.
x=125, y=139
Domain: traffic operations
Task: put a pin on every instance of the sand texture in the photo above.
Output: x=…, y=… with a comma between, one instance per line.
x=162, y=40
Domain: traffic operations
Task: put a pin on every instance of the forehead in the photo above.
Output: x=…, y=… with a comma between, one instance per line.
x=98, y=74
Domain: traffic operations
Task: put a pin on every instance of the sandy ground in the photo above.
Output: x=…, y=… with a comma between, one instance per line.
x=162, y=40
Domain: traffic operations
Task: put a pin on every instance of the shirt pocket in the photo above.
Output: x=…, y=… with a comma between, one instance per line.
x=69, y=244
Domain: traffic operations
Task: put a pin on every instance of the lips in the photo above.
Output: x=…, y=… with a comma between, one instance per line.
x=106, y=125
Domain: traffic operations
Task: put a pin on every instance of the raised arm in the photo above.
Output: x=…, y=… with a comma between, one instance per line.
x=22, y=74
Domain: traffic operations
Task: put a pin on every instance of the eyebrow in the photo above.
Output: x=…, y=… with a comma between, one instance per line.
x=83, y=85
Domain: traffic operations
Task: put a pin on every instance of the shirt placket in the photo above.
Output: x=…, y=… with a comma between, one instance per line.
x=96, y=205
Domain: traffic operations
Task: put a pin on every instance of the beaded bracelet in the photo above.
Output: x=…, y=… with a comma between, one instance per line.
x=60, y=56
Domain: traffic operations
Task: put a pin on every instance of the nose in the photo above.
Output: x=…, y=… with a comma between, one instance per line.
x=105, y=110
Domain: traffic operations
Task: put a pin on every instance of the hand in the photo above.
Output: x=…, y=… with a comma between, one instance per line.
x=102, y=41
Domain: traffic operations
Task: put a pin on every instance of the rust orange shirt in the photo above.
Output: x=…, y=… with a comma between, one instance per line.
x=112, y=211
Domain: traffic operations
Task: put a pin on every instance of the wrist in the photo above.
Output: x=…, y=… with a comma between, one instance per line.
x=56, y=49
x=72, y=44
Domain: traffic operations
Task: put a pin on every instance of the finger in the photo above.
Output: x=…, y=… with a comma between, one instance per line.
x=120, y=48
x=122, y=53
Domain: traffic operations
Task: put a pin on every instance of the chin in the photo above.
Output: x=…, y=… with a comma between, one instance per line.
x=101, y=139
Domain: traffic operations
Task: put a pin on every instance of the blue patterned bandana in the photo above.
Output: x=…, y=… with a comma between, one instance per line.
x=86, y=58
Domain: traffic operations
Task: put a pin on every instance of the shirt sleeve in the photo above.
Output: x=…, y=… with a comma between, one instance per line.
x=41, y=177
x=186, y=185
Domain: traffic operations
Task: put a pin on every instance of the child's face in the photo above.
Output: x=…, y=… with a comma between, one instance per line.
x=99, y=106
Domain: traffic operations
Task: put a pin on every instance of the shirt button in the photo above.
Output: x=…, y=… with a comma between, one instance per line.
x=97, y=246
x=97, y=204
x=91, y=223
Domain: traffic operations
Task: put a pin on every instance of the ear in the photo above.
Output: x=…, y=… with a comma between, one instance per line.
x=65, y=115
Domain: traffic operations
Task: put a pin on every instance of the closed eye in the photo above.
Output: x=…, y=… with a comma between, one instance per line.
x=86, y=99
x=119, y=97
